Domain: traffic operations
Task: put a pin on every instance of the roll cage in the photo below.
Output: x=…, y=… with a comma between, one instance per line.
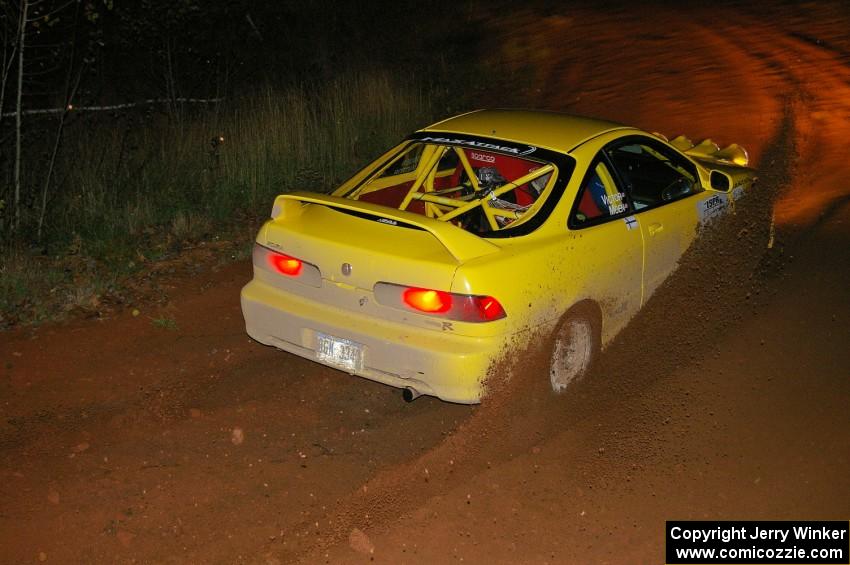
x=490, y=187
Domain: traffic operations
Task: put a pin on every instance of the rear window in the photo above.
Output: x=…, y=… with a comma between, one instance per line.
x=488, y=187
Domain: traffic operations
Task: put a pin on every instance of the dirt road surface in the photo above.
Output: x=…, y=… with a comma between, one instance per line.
x=124, y=440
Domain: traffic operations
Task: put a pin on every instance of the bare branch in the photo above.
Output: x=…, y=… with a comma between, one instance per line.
x=110, y=107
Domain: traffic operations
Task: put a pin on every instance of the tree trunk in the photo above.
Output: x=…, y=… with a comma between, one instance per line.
x=8, y=61
x=71, y=85
x=22, y=30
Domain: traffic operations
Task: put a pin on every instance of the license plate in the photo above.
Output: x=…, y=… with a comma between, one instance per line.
x=339, y=352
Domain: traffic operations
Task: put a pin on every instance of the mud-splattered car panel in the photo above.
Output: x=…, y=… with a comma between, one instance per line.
x=475, y=233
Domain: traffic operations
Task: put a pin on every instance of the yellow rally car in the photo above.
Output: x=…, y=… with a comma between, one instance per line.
x=476, y=233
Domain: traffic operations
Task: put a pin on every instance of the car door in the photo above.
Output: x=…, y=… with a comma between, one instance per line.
x=663, y=187
x=608, y=240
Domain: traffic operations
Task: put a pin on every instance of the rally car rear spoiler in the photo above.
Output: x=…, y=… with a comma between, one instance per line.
x=462, y=245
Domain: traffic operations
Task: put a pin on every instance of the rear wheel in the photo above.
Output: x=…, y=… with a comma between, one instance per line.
x=573, y=351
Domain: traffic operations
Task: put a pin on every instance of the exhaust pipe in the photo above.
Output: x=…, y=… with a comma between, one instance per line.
x=409, y=394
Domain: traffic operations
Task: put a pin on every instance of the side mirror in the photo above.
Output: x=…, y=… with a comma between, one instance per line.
x=720, y=180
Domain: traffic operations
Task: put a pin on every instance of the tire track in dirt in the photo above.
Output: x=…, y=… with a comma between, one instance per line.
x=130, y=437
x=821, y=78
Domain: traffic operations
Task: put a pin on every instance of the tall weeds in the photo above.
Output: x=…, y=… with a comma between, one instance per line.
x=125, y=183
x=235, y=157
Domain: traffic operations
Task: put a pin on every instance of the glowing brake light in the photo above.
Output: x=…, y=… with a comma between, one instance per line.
x=277, y=263
x=285, y=264
x=449, y=305
x=428, y=300
x=489, y=307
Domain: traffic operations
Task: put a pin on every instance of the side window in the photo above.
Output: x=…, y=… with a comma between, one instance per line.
x=599, y=198
x=653, y=175
x=406, y=162
x=449, y=162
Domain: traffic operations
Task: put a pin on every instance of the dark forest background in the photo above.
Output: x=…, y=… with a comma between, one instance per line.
x=133, y=129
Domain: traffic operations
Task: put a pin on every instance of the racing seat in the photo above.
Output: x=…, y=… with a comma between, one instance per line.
x=592, y=203
x=509, y=168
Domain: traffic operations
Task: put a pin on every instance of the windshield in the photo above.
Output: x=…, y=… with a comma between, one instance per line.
x=483, y=186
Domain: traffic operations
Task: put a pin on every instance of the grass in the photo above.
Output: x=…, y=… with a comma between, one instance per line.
x=164, y=323
x=134, y=189
x=236, y=158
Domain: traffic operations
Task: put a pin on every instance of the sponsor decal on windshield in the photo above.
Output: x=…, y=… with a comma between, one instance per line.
x=481, y=145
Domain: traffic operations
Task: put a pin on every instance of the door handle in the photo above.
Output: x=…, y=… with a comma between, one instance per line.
x=655, y=228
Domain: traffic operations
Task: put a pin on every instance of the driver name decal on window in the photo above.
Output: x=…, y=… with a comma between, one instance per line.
x=615, y=203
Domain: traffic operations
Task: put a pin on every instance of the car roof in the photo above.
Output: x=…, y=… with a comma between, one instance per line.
x=552, y=130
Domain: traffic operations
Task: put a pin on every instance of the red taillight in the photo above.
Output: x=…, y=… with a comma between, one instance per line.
x=296, y=270
x=425, y=300
x=285, y=264
x=450, y=305
x=489, y=308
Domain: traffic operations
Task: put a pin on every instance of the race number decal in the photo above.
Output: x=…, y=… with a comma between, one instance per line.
x=710, y=208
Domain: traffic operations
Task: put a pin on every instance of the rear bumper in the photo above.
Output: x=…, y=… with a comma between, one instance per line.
x=441, y=364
